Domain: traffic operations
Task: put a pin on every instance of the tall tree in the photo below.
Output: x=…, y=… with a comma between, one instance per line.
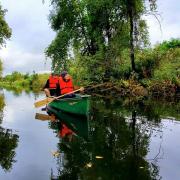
x=93, y=28
x=134, y=10
x=5, y=32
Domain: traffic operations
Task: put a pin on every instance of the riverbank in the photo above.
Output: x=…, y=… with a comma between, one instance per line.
x=133, y=88
x=122, y=88
x=24, y=82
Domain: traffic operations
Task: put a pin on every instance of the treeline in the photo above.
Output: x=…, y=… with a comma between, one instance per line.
x=153, y=65
x=24, y=81
x=107, y=41
x=98, y=36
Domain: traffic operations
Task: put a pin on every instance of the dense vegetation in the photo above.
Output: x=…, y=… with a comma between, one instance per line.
x=120, y=134
x=18, y=81
x=5, y=32
x=98, y=35
x=100, y=41
x=8, y=141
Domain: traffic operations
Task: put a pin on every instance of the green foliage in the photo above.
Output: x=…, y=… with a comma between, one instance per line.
x=169, y=67
x=160, y=64
x=24, y=81
x=147, y=61
x=166, y=45
x=95, y=32
x=120, y=132
x=57, y=50
x=8, y=143
x=5, y=31
x=16, y=76
x=2, y=105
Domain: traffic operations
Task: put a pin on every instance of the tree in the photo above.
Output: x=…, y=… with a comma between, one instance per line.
x=5, y=32
x=8, y=144
x=96, y=30
x=134, y=10
x=8, y=141
x=120, y=144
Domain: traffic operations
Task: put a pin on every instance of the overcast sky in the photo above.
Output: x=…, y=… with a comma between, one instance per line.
x=31, y=32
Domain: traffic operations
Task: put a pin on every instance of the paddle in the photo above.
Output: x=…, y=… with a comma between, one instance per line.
x=44, y=117
x=50, y=99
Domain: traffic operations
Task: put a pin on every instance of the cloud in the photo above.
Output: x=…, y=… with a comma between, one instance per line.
x=23, y=61
x=31, y=34
x=169, y=16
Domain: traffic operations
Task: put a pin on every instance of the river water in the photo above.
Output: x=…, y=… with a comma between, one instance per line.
x=125, y=140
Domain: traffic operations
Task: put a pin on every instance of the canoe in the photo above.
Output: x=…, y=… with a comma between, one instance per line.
x=79, y=105
x=78, y=124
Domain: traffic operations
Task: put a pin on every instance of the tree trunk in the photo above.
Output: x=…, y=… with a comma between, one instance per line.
x=132, y=57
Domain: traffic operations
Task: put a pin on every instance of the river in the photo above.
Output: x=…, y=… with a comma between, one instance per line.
x=125, y=140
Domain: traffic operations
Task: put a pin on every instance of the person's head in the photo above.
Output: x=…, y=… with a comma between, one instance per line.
x=65, y=75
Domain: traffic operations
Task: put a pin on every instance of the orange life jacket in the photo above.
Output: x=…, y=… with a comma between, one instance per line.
x=65, y=87
x=65, y=131
x=53, y=80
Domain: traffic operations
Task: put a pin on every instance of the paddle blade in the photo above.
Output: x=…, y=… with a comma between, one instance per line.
x=42, y=117
x=43, y=102
x=45, y=117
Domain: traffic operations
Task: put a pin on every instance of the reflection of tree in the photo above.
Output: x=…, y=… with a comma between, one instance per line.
x=8, y=142
x=117, y=149
x=120, y=136
x=123, y=150
x=2, y=104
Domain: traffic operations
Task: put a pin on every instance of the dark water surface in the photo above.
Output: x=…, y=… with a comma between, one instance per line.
x=125, y=140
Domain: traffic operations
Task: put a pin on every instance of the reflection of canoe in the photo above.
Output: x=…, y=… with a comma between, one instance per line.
x=79, y=105
x=78, y=124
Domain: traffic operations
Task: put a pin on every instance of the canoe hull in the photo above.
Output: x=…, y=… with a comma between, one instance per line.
x=78, y=124
x=79, y=105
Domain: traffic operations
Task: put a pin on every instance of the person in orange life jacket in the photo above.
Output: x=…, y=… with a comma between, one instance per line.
x=51, y=87
x=65, y=132
x=66, y=84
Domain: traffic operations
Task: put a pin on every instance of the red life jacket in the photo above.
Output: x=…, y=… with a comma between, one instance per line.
x=53, y=80
x=65, y=87
x=65, y=131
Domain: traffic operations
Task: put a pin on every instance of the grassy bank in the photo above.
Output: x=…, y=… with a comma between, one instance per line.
x=19, y=82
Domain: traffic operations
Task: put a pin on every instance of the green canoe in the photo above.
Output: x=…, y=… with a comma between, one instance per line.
x=79, y=105
x=78, y=124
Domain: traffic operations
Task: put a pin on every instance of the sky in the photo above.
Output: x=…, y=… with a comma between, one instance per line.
x=31, y=32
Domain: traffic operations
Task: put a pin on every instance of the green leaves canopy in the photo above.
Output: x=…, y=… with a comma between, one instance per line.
x=5, y=31
x=90, y=28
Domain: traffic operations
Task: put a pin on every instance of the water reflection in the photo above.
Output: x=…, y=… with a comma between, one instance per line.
x=118, y=145
x=8, y=142
x=71, y=124
x=2, y=104
x=122, y=139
